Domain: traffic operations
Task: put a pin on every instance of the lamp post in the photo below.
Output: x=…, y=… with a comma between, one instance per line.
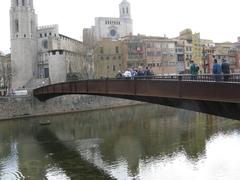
x=204, y=59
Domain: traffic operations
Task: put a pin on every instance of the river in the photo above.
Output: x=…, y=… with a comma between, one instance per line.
x=145, y=142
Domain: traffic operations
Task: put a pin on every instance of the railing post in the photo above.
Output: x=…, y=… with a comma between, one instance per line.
x=106, y=85
x=179, y=86
x=87, y=86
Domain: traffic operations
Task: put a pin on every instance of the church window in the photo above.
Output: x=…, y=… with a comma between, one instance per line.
x=45, y=34
x=23, y=2
x=40, y=35
x=50, y=34
x=113, y=32
x=17, y=2
x=114, y=68
x=16, y=26
x=24, y=35
x=123, y=11
x=127, y=10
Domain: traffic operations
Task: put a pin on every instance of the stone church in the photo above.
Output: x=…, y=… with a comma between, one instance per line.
x=40, y=55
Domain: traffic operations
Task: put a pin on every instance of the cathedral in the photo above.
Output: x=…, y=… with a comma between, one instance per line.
x=41, y=55
x=110, y=27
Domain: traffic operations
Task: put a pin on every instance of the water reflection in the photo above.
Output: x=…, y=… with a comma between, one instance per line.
x=142, y=142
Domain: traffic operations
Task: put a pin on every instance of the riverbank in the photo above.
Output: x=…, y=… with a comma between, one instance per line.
x=29, y=106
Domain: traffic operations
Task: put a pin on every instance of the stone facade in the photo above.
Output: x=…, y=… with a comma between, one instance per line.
x=23, y=25
x=109, y=58
x=41, y=53
x=13, y=107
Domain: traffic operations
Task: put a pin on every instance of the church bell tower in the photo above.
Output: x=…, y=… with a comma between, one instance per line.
x=23, y=27
x=125, y=9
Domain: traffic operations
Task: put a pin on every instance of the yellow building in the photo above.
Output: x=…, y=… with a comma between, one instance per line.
x=109, y=58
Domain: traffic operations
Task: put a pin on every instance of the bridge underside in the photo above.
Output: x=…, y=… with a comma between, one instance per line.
x=224, y=109
x=227, y=110
x=216, y=98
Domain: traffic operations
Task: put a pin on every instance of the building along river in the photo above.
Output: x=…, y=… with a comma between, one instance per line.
x=144, y=142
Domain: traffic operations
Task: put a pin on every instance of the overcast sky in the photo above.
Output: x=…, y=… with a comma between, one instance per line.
x=214, y=19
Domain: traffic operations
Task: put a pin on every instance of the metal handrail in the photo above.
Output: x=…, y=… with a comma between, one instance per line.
x=234, y=78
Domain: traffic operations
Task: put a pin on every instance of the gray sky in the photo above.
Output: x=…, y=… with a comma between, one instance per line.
x=214, y=19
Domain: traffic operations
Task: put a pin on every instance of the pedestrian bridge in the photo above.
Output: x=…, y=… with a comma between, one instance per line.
x=201, y=93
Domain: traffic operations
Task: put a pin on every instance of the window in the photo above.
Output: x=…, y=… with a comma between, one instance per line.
x=45, y=44
x=40, y=35
x=45, y=34
x=114, y=68
x=46, y=73
x=127, y=10
x=23, y=2
x=123, y=11
x=17, y=2
x=117, y=49
x=24, y=35
x=16, y=26
x=101, y=50
x=32, y=26
x=113, y=32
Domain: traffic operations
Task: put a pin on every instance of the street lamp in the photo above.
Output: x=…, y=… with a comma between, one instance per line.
x=204, y=55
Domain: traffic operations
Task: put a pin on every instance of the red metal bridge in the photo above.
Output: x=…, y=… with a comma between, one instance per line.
x=199, y=93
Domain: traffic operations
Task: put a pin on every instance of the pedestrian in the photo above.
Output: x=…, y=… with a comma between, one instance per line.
x=193, y=70
x=217, y=70
x=225, y=70
x=119, y=75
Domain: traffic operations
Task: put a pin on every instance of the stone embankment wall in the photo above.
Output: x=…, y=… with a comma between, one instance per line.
x=13, y=107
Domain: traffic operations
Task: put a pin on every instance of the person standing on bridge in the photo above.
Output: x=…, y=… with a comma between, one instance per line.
x=225, y=70
x=193, y=70
x=217, y=70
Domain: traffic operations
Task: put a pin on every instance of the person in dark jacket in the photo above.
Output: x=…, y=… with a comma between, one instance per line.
x=217, y=70
x=225, y=70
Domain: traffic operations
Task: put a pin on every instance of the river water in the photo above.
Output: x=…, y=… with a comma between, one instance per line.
x=145, y=142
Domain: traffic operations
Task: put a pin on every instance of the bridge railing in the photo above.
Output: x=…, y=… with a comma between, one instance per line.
x=235, y=78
